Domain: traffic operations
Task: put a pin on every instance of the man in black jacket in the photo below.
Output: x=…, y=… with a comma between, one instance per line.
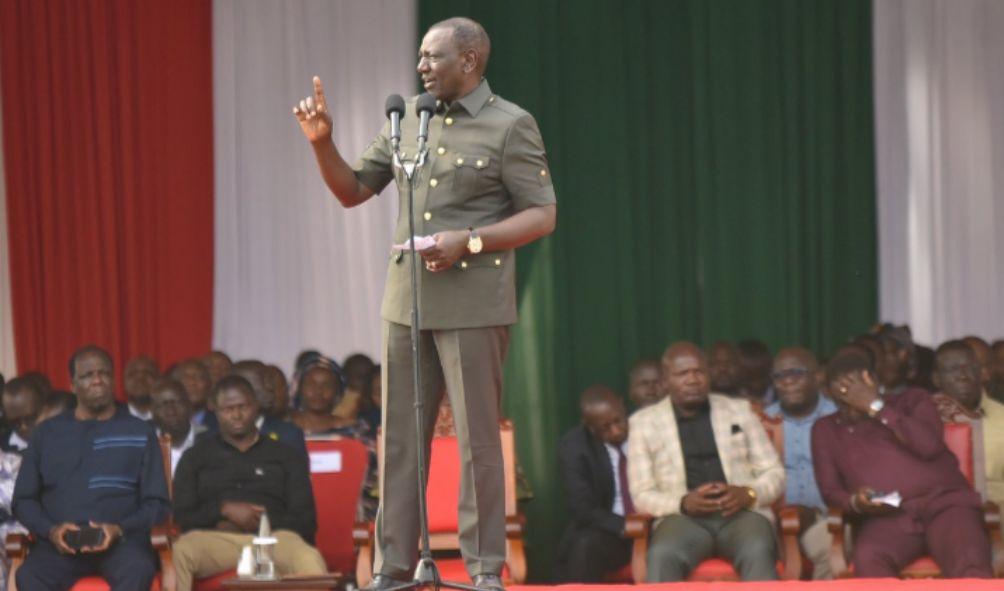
x=227, y=481
x=593, y=463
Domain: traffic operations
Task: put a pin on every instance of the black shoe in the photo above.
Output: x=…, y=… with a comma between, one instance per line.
x=381, y=582
x=489, y=583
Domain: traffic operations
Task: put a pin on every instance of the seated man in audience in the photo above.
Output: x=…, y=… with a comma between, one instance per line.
x=962, y=398
x=195, y=378
x=23, y=402
x=96, y=467
x=644, y=383
x=995, y=365
x=593, y=469
x=278, y=387
x=723, y=368
x=879, y=443
x=702, y=464
x=139, y=376
x=800, y=406
x=270, y=426
x=172, y=414
x=755, y=362
x=219, y=365
x=899, y=359
x=228, y=481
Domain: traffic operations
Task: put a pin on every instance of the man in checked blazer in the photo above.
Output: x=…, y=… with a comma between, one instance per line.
x=703, y=465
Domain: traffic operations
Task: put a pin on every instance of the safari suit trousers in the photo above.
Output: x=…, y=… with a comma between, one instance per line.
x=467, y=364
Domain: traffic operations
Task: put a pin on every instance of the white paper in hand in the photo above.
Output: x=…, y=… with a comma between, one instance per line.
x=421, y=243
x=892, y=499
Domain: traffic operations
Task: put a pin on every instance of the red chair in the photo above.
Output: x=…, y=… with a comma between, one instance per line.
x=443, y=500
x=959, y=439
x=17, y=546
x=338, y=469
x=790, y=566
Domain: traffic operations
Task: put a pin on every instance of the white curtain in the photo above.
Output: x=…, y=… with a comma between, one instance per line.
x=8, y=364
x=294, y=269
x=939, y=124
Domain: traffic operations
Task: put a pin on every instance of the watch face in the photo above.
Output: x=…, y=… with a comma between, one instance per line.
x=474, y=244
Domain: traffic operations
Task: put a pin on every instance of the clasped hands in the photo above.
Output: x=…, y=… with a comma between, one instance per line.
x=713, y=497
x=57, y=535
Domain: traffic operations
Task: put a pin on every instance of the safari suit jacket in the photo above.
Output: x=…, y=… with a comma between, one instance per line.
x=657, y=474
x=486, y=162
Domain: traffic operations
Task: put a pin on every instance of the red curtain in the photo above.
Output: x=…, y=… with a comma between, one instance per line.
x=108, y=139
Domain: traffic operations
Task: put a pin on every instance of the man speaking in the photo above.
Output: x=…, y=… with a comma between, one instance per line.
x=485, y=190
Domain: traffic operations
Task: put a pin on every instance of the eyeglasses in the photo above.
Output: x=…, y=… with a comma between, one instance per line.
x=794, y=372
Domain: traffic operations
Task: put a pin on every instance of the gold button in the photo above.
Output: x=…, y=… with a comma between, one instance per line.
x=481, y=163
x=543, y=172
x=440, y=150
x=433, y=183
x=460, y=161
x=463, y=264
x=449, y=120
x=498, y=262
x=427, y=216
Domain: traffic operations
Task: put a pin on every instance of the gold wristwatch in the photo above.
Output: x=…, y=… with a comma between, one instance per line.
x=474, y=244
x=752, y=495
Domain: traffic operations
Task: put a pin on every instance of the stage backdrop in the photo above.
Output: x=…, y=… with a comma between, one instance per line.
x=293, y=268
x=939, y=125
x=107, y=131
x=713, y=165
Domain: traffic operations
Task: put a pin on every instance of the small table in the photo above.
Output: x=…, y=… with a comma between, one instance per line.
x=328, y=582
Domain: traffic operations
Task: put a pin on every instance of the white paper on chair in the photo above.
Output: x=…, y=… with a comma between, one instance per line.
x=325, y=461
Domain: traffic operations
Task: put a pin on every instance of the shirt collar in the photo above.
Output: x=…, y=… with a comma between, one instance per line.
x=476, y=99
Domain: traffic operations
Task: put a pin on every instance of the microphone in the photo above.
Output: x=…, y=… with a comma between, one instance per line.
x=394, y=107
x=425, y=106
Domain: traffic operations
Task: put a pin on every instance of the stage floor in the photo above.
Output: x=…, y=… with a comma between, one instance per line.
x=842, y=585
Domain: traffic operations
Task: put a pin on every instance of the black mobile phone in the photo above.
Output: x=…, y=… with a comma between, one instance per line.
x=85, y=537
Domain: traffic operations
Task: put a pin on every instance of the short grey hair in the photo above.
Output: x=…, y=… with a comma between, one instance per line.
x=468, y=34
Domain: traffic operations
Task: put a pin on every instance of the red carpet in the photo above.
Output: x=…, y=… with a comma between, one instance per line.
x=844, y=585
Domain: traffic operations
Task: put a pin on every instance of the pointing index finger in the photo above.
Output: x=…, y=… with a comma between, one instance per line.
x=322, y=104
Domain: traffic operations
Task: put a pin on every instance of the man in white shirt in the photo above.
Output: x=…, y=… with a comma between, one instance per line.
x=23, y=403
x=172, y=414
x=140, y=374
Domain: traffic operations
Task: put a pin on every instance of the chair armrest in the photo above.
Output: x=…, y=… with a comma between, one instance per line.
x=836, y=524
x=637, y=526
x=992, y=521
x=160, y=539
x=364, y=540
x=795, y=567
x=515, y=551
x=17, y=544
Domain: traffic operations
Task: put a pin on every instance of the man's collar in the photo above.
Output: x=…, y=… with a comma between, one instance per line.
x=476, y=99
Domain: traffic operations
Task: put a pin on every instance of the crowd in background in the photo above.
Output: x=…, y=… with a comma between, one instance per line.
x=963, y=380
x=857, y=426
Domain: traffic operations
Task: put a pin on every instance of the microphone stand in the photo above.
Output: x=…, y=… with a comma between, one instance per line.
x=426, y=572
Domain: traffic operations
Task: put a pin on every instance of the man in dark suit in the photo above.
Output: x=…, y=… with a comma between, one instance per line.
x=593, y=464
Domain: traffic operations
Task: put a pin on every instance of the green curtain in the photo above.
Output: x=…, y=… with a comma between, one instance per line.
x=713, y=161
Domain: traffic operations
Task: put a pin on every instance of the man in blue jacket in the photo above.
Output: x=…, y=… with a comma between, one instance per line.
x=94, y=468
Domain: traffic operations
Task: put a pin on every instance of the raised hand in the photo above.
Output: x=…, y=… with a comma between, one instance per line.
x=312, y=113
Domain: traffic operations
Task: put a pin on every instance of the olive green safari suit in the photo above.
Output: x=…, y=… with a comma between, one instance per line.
x=486, y=162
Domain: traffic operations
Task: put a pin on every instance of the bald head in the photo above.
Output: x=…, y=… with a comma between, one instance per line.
x=603, y=414
x=468, y=36
x=685, y=376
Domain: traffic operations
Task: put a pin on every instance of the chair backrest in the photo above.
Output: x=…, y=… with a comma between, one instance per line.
x=959, y=440
x=443, y=488
x=337, y=470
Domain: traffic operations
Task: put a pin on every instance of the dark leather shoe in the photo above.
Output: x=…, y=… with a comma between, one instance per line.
x=381, y=582
x=489, y=583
